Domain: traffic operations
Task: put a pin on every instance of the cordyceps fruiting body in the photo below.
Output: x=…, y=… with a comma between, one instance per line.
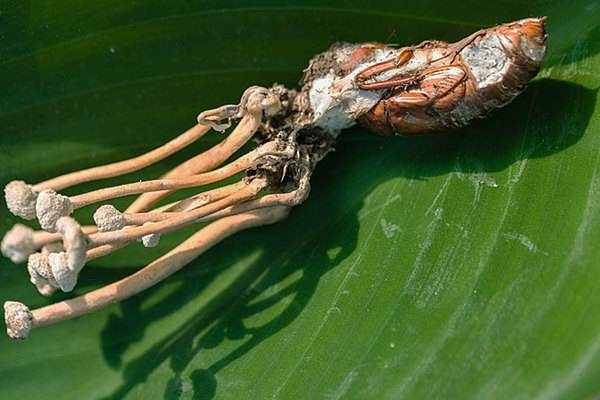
x=429, y=87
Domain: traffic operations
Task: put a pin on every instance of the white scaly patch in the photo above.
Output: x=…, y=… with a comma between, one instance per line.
x=487, y=60
x=337, y=102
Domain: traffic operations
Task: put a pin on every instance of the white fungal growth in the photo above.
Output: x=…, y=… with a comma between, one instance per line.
x=20, y=199
x=18, y=243
x=65, y=265
x=37, y=262
x=487, y=60
x=151, y=240
x=40, y=272
x=50, y=207
x=109, y=219
x=535, y=51
x=74, y=242
x=65, y=277
x=18, y=319
x=337, y=102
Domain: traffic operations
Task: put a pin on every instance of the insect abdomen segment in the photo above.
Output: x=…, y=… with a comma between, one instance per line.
x=470, y=79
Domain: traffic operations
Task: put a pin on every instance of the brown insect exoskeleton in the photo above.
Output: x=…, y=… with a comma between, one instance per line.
x=436, y=85
x=409, y=90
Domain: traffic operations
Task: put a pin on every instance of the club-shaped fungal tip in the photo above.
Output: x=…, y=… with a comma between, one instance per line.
x=50, y=207
x=18, y=319
x=33, y=264
x=18, y=243
x=20, y=199
x=40, y=272
x=108, y=219
x=74, y=242
x=64, y=276
x=151, y=240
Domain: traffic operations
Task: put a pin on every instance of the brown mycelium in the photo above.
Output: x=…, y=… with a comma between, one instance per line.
x=408, y=90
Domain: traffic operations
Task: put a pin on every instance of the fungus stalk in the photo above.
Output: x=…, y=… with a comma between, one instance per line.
x=51, y=205
x=20, y=320
x=21, y=197
x=66, y=246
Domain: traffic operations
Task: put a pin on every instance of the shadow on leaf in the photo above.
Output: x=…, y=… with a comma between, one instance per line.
x=272, y=291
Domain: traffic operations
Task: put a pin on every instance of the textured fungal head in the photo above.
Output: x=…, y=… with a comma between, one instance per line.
x=151, y=240
x=20, y=199
x=18, y=243
x=74, y=242
x=108, y=219
x=50, y=207
x=64, y=276
x=18, y=319
x=40, y=272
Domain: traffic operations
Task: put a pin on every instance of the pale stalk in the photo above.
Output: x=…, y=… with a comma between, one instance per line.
x=239, y=165
x=157, y=270
x=207, y=160
x=176, y=222
x=125, y=166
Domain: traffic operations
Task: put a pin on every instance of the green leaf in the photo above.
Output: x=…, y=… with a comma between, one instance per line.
x=463, y=265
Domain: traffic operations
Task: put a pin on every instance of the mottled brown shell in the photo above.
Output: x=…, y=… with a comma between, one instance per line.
x=435, y=85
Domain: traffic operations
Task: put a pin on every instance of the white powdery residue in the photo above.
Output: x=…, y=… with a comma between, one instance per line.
x=513, y=179
x=363, y=213
x=341, y=391
x=479, y=181
x=589, y=219
x=338, y=102
x=389, y=229
x=487, y=60
x=546, y=72
x=525, y=241
x=441, y=192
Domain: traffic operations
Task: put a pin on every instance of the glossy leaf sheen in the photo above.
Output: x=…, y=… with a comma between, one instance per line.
x=463, y=265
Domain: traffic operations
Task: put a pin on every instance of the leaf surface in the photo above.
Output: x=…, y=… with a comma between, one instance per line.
x=462, y=265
